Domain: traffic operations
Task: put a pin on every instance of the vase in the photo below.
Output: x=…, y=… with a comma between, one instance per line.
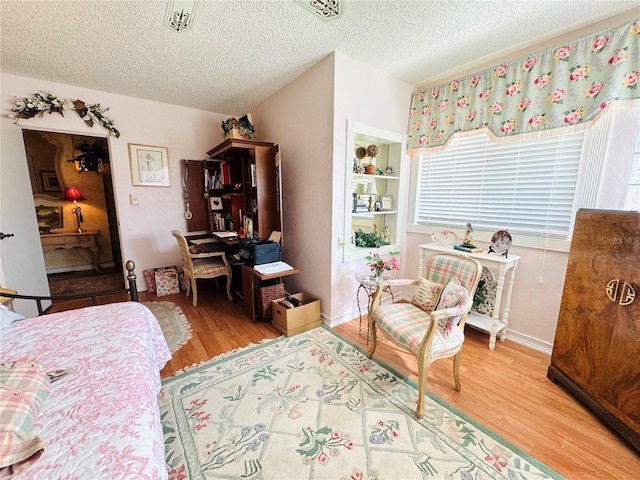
x=370, y=169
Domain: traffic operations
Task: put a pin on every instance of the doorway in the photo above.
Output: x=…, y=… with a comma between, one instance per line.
x=80, y=239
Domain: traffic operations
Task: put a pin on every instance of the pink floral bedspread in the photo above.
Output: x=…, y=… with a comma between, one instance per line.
x=102, y=420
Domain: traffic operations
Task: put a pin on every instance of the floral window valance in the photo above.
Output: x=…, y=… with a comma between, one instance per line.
x=568, y=85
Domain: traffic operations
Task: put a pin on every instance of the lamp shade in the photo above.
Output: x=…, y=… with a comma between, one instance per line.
x=72, y=193
x=371, y=189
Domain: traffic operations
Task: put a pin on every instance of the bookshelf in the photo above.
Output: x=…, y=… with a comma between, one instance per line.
x=371, y=200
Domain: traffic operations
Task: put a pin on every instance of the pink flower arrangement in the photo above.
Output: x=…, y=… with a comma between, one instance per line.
x=378, y=265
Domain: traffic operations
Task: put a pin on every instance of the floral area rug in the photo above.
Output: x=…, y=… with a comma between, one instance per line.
x=174, y=324
x=313, y=406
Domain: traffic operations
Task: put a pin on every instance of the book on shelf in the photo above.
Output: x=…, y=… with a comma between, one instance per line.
x=467, y=249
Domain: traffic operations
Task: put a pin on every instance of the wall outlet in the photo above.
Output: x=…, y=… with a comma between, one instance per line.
x=134, y=199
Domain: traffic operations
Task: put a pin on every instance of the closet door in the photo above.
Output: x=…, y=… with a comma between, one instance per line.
x=193, y=196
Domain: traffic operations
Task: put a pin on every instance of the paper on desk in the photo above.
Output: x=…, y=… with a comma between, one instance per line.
x=273, y=267
x=200, y=241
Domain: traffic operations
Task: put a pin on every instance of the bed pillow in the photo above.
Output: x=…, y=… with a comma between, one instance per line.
x=24, y=385
x=454, y=299
x=8, y=316
x=427, y=294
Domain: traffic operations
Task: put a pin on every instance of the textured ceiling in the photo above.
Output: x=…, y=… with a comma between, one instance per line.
x=239, y=52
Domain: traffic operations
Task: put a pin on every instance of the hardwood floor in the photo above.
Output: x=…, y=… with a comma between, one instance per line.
x=506, y=390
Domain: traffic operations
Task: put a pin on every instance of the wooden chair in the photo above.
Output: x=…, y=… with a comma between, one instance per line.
x=429, y=335
x=202, y=265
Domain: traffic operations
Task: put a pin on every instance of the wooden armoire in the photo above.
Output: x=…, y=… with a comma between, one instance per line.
x=596, y=352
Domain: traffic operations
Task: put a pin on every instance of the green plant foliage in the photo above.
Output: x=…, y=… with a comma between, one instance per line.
x=367, y=239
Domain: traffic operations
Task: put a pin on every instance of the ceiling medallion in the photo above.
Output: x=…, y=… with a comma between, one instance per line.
x=180, y=14
x=327, y=9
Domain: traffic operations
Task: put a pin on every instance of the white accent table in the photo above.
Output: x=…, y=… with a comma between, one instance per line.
x=506, y=268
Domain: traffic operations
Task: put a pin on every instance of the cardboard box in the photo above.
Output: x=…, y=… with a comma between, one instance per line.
x=290, y=321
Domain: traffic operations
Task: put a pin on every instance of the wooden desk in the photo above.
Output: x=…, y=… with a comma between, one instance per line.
x=506, y=267
x=68, y=240
x=248, y=290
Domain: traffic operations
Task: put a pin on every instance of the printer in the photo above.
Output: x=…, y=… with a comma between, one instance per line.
x=255, y=251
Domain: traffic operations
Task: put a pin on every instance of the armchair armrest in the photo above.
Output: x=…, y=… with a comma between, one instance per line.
x=207, y=254
x=375, y=300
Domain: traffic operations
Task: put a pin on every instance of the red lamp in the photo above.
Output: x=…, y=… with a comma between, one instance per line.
x=74, y=194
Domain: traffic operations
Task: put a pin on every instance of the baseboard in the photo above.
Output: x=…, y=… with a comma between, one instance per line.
x=529, y=342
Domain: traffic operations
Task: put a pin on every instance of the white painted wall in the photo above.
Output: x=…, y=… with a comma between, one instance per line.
x=370, y=97
x=299, y=118
x=308, y=118
x=144, y=228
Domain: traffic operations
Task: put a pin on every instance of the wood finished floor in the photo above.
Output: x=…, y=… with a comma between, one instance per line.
x=506, y=390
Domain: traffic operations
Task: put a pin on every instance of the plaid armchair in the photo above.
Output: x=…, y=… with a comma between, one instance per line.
x=429, y=328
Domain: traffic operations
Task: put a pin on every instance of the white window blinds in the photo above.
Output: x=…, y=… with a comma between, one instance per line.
x=526, y=187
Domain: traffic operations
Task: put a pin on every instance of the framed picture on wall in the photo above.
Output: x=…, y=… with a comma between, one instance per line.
x=149, y=165
x=50, y=181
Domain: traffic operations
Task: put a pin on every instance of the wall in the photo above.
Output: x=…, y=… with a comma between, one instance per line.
x=308, y=118
x=187, y=133
x=368, y=96
x=299, y=118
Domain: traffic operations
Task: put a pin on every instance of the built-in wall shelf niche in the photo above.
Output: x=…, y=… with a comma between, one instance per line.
x=371, y=199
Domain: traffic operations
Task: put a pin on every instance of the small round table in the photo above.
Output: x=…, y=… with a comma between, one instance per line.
x=369, y=284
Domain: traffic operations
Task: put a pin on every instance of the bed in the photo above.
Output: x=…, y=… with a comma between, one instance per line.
x=101, y=420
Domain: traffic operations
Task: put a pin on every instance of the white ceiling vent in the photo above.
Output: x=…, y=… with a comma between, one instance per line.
x=327, y=9
x=180, y=14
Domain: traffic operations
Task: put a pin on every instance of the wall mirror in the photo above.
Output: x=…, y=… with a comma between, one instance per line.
x=44, y=154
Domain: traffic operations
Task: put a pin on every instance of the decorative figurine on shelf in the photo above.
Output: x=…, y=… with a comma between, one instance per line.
x=468, y=239
x=385, y=235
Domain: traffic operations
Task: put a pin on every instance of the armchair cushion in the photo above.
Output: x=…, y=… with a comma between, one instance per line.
x=453, y=300
x=427, y=294
x=208, y=266
x=408, y=324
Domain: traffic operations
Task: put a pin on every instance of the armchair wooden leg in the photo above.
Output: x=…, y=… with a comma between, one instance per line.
x=423, y=371
x=456, y=370
x=229, y=288
x=373, y=338
x=194, y=302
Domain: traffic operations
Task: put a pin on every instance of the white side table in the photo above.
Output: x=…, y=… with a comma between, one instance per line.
x=506, y=268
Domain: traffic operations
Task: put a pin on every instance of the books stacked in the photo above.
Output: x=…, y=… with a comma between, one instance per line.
x=467, y=248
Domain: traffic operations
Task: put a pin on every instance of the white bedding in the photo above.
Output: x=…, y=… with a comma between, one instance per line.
x=102, y=420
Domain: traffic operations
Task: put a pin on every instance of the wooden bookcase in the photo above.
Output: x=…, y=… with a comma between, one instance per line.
x=240, y=180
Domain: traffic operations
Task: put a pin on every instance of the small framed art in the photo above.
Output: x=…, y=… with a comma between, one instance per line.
x=50, y=181
x=215, y=203
x=149, y=165
x=386, y=202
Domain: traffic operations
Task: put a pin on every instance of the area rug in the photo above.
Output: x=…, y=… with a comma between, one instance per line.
x=174, y=324
x=85, y=284
x=313, y=406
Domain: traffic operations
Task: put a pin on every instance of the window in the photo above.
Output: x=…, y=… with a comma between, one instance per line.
x=632, y=200
x=526, y=187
